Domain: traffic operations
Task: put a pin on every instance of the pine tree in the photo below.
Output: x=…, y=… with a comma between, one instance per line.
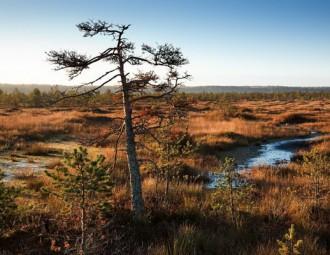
x=172, y=150
x=120, y=56
x=173, y=145
x=81, y=180
x=35, y=98
x=231, y=190
x=289, y=245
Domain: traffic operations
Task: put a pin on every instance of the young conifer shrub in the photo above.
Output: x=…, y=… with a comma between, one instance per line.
x=80, y=182
x=290, y=245
x=232, y=191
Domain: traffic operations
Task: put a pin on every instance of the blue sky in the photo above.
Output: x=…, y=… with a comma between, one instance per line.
x=232, y=42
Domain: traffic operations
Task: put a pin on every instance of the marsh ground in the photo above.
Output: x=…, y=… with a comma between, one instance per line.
x=33, y=140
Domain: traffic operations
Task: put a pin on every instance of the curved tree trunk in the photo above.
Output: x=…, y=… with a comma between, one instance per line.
x=133, y=164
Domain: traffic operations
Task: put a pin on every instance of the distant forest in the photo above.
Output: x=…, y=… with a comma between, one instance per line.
x=27, y=88
x=47, y=96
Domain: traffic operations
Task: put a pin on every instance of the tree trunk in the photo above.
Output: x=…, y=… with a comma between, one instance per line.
x=83, y=230
x=133, y=164
x=232, y=208
x=167, y=171
x=83, y=216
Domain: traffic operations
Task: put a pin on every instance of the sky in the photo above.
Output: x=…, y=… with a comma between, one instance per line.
x=227, y=42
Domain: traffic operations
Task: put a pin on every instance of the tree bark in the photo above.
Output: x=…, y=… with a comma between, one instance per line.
x=83, y=230
x=83, y=216
x=167, y=171
x=133, y=164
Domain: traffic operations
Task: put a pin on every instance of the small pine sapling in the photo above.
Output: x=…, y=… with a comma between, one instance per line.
x=172, y=145
x=172, y=150
x=231, y=190
x=80, y=181
x=289, y=245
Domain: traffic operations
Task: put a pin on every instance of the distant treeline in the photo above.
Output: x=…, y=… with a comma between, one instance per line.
x=54, y=96
x=28, y=88
x=252, y=89
x=279, y=96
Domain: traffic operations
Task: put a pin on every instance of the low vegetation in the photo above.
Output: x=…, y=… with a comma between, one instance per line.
x=268, y=210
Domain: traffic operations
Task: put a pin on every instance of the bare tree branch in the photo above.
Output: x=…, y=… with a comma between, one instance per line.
x=92, y=28
x=171, y=90
x=89, y=92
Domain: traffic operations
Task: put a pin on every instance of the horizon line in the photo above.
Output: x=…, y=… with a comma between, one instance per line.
x=190, y=85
